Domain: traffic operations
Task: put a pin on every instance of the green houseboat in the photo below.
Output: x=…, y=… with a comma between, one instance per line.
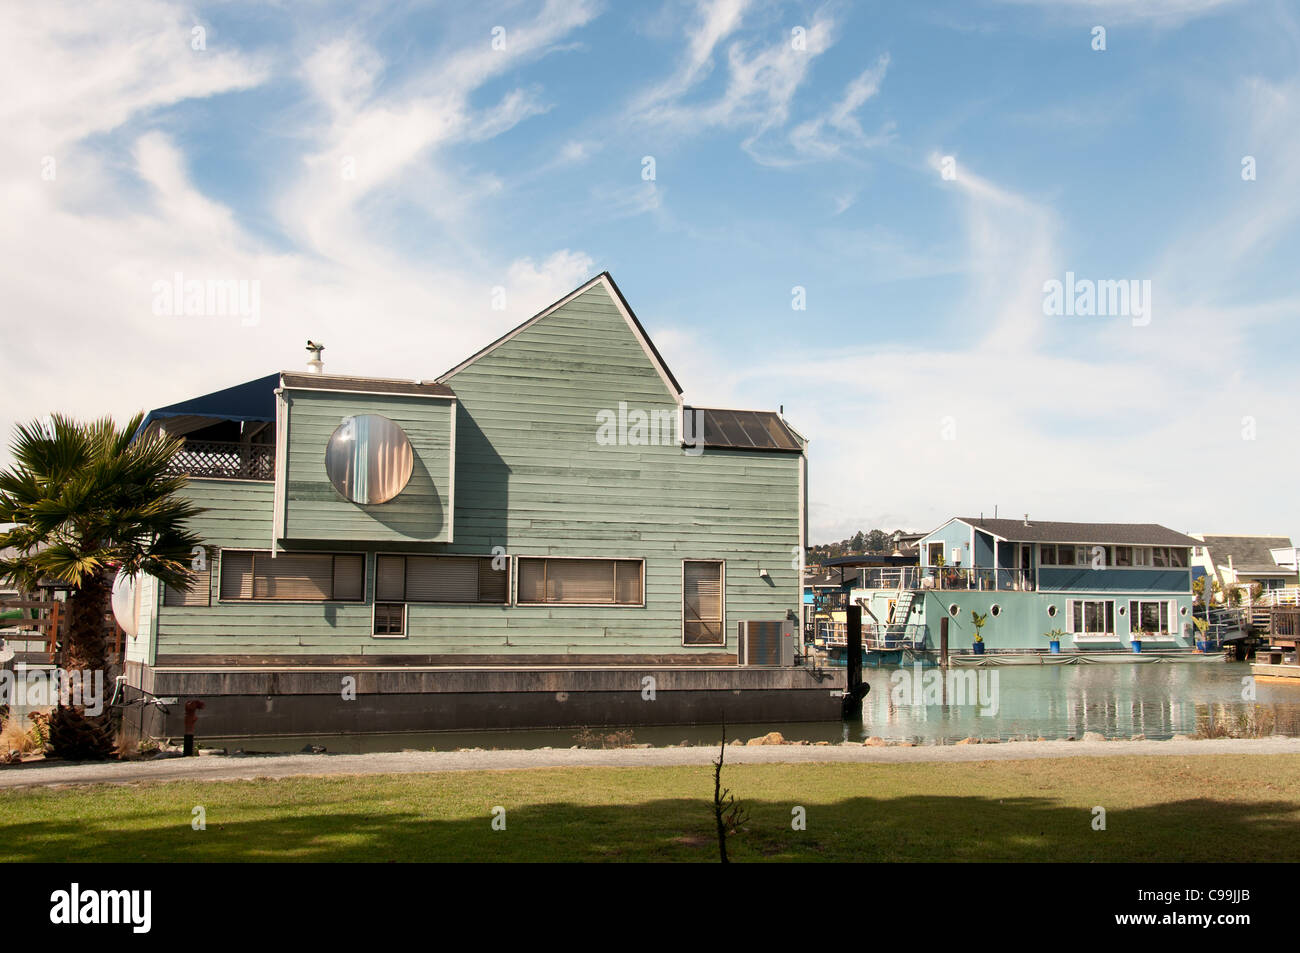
x=545, y=534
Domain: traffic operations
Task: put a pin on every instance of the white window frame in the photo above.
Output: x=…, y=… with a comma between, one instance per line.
x=1091, y=636
x=1170, y=608
x=722, y=594
x=514, y=592
x=406, y=619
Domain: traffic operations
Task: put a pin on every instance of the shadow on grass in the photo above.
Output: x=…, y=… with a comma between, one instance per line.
x=918, y=828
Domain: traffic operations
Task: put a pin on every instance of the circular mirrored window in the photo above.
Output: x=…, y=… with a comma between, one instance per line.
x=369, y=459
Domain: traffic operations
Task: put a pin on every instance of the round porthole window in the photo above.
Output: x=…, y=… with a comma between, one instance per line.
x=1051, y=611
x=1183, y=611
x=369, y=459
x=1123, y=610
x=953, y=610
x=995, y=609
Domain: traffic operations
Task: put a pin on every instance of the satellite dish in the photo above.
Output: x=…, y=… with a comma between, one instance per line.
x=126, y=603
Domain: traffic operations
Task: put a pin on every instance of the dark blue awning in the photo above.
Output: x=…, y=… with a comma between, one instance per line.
x=253, y=400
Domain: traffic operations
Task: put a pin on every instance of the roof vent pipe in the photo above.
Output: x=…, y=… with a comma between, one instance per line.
x=315, y=365
x=1026, y=519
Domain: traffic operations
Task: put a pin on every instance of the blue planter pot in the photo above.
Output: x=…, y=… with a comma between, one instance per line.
x=1137, y=647
x=1055, y=647
x=978, y=648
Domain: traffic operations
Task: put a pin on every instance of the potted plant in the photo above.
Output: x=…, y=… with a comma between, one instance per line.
x=1135, y=640
x=1054, y=641
x=978, y=621
x=1202, y=627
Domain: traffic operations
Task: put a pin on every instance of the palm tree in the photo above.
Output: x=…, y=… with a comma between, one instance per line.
x=87, y=499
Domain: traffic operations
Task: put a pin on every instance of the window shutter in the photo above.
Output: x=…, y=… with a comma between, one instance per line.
x=493, y=584
x=390, y=578
x=580, y=580
x=199, y=593
x=627, y=590
x=532, y=576
x=293, y=576
x=236, y=575
x=441, y=579
x=349, y=577
x=1072, y=624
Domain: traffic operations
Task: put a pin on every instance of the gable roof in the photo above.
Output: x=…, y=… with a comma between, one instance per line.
x=1043, y=531
x=1249, y=553
x=607, y=280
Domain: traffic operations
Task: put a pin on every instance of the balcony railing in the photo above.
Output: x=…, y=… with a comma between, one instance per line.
x=875, y=637
x=226, y=460
x=947, y=578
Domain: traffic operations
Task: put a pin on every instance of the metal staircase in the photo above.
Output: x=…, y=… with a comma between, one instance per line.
x=902, y=609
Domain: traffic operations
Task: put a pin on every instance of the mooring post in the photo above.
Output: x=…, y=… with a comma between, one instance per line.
x=943, y=641
x=191, y=716
x=855, y=688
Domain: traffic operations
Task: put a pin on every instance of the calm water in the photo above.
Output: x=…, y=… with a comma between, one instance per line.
x=1057, y=701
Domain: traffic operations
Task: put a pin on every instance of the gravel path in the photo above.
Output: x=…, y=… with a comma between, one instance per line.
x=225, y=768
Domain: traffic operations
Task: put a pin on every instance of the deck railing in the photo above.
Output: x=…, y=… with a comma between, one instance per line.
x=946, y=578
x=1290, y=596
x=875, y=637
x=227, y=460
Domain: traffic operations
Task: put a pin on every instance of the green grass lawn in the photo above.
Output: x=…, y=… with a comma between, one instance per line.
x=1202, y=808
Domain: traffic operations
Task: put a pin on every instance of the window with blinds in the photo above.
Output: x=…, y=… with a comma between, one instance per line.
x=613, y=582
x=702, y=602
x=199, y=593
x=293, y=577
x=441, y=579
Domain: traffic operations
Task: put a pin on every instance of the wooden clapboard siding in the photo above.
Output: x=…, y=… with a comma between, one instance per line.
x=314, y=510
x=531, y=478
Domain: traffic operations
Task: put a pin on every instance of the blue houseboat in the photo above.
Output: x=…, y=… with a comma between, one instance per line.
x=1093, y=589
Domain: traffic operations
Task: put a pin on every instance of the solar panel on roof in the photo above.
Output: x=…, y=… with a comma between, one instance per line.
x=746, y=430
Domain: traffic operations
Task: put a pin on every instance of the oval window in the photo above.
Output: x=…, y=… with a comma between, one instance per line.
x=369, y=459
x=953, y=610
x=1051, y=612
x=996, y=609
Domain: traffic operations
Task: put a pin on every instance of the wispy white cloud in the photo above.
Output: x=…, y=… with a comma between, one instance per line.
x=762, y=78
x=829, y=134
x=125, y=212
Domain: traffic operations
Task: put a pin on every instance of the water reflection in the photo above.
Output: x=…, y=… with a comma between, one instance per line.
x=1053, y=702
x=1117, y=701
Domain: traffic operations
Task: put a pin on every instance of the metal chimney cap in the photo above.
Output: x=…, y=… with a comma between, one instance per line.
x=315, y=365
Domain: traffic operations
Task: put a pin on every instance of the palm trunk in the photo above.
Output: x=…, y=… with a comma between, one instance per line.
x=86, y=648
x=73, y=734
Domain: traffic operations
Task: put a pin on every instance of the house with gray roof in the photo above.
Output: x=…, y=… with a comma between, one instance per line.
x=1241, y=561
x=1104, y=586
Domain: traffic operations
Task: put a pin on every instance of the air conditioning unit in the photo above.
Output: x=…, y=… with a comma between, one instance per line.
x=766, y=643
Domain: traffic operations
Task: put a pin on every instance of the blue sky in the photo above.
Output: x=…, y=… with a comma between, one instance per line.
x=923, y=369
